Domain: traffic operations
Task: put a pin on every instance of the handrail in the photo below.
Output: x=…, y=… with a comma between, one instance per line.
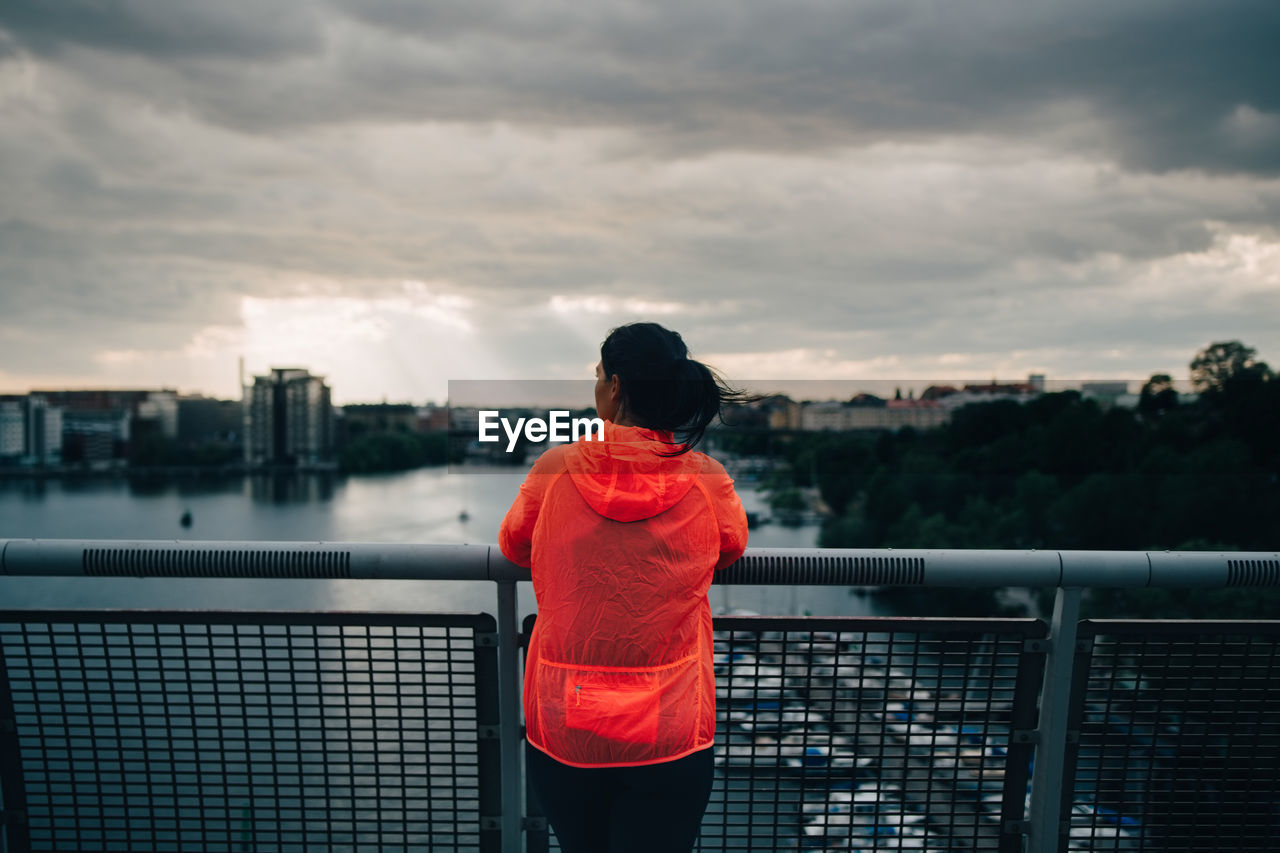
x=765, y=566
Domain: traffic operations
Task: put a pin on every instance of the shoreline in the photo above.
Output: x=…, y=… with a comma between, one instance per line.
x=66, y=472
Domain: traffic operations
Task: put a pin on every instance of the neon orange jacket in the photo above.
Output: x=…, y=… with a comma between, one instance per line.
x=622, y=543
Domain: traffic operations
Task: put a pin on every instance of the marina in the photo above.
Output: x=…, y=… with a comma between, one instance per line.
x=883, y=745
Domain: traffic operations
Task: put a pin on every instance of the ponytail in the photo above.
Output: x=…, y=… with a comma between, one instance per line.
x=662, y=388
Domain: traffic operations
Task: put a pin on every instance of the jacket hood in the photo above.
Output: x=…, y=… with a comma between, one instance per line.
x=625, y=478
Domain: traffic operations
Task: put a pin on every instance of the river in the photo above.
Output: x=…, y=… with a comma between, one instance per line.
x=424, y=505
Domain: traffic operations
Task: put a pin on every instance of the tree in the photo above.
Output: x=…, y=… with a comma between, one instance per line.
x=1219, y=363
x=393, y=451
x=1158, y=396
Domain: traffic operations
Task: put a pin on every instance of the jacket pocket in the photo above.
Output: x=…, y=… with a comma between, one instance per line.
x=629, y=707
x=624, y=709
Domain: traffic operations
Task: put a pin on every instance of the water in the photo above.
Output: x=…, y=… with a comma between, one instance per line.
x=415, y=506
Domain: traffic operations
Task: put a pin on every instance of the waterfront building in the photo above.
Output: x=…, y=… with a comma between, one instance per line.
x=288, y=419
x=30, y=431
x=43, y=427
x=99, y=425
x=159, y=410
x=94, y=427
x=96, y=437
x=380, y=417
x=12, y=427
x=207, y=420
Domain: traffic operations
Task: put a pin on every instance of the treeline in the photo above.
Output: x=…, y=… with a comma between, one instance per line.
x=154, y=450
x=386, y=450
x=1062, y=472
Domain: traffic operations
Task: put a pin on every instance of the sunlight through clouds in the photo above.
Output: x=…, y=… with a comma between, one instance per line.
x=402, y=346
x=588, y=304
x=805, y=363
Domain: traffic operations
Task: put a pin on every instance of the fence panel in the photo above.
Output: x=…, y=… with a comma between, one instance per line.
x=848, y=734
x=155, y=731
x=174, y=731
x=1176, y=743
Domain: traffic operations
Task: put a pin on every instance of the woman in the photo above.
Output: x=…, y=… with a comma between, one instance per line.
x=623, y=535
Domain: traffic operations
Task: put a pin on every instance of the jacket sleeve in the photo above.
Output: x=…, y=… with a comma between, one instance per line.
x=731, y=518
x=515, y=536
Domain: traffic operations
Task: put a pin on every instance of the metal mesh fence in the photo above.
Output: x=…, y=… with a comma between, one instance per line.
x=1178, y=744
x=145, y=731
x=858, y=734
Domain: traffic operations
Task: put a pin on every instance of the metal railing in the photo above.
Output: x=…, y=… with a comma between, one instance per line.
x=144, y=730
x=248, y=731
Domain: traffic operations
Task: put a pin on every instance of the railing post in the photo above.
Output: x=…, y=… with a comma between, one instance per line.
x=509, y=722
x=1044, y=831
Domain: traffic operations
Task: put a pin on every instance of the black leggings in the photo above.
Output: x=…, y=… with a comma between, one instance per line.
x=656, y=808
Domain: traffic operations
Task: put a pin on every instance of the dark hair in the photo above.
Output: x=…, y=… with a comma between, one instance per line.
x=662, y=388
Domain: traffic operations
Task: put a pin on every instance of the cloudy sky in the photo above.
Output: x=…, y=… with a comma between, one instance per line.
x=395, y=193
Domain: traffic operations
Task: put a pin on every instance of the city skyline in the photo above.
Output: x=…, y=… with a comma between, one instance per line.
x=394, y=196
x=576, y=394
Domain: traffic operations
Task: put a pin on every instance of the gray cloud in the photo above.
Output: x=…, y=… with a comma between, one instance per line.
x=1161, y=83
x=234, y=29
x=857, y=180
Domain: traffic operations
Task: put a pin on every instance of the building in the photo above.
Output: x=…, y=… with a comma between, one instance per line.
x=159, y=411
x=96, y=437
x=919, y=414
x=288, y=419
x=464, y=420
x=380, y=417
x=30, y=431
x=44, y=427
x=13, y=442
x=828, y=415
x=91, y=427
x=952, y=398
x=206, y=420
x=433, y=418
x=775, y=412
x=1109, y=393
x=103, y=428
x=866, y=412
x=99, y=427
